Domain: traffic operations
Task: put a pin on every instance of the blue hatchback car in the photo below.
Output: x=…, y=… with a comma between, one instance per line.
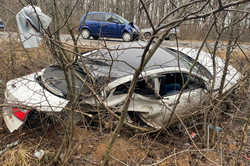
x=102, y=24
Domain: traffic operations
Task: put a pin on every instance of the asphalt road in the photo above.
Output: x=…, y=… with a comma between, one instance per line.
x=166, y=43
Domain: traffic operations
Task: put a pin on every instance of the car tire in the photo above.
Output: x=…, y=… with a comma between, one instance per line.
x=147, y=35
x=126, y=37
x=85, y=34
x=172, y=37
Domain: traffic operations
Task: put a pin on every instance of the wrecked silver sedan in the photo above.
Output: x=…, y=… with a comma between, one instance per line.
x=155, y=93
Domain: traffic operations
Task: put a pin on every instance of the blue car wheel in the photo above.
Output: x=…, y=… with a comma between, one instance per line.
x=127, y=36
x=85, y=34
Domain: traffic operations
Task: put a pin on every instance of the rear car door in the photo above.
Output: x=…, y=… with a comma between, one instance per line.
x=100, y=21
x=92, y=24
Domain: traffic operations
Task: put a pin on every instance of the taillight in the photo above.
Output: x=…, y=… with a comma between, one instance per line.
x=20, y=113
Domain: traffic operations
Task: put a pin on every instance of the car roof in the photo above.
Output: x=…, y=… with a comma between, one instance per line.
x=94, y=12
x=126, y=57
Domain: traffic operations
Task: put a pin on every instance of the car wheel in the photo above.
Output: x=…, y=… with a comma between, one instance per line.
x=147, y=35
x=172, y=37
x=85, y=34
x=126, y=36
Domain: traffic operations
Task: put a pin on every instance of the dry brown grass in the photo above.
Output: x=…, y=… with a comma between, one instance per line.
x=18, y=156
x=239, y=60
x=16, y=61
x=123, y=150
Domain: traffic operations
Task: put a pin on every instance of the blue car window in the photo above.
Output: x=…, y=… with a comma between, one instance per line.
x=121, y=19
x=112, y=19
x=99, y=17
x=90, y=17
x=96, y=17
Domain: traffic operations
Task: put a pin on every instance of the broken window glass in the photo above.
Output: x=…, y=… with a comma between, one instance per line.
x=143, y=87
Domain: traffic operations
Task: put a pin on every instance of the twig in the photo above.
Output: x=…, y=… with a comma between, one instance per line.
x=9, y=146
x=149, y=19
x=119, y=160
x=175, y=154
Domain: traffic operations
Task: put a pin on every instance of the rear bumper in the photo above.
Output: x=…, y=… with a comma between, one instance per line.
x=12, y=122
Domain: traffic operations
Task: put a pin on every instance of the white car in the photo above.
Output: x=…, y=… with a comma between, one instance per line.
x=154, y=96
x=146, y=33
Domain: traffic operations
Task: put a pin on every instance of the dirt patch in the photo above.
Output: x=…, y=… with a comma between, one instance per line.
x=122, y=151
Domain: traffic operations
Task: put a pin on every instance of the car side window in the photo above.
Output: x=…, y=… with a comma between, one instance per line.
x=96, y=17
x=143, y=87
x=112, y=19
x=90, y=17
x=122, y=89
x=100, y=17
x=195, y=83
x=172, y=83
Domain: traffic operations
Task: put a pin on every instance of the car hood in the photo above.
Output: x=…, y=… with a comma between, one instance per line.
x=206, y=60
x=28, y=92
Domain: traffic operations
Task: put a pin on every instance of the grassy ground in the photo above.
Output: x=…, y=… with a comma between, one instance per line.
x=173, y=147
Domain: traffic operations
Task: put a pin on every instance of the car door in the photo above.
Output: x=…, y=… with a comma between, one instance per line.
x=111, y=27
x=154, y=97
x=101, y=24
x=170, y=87
x=93, y=24
x=143, y=101
x=143, y=88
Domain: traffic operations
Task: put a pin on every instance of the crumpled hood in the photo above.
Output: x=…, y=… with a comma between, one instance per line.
x=206, y=60
x=27, y=91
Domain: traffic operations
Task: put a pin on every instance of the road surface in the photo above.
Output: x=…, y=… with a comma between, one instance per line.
x=100, y=42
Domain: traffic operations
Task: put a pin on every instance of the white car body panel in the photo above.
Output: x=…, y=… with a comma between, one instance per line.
x=206, y=60
x=27, y=91
x=159, y=114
